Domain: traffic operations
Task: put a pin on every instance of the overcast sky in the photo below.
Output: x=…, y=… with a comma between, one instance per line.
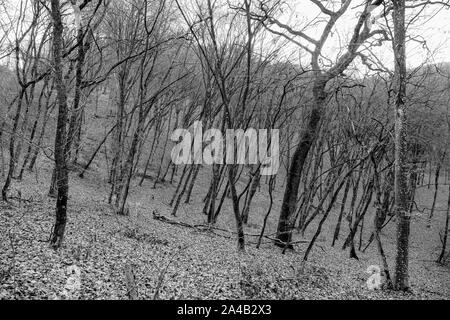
x=432, y=26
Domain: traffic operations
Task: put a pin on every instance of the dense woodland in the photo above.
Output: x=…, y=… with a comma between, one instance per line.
x=91, y=92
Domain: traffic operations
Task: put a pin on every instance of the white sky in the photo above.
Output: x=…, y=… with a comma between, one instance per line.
x=433, y=26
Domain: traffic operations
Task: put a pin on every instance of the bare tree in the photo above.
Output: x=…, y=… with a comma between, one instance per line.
x=61, y=172
x=321, y=77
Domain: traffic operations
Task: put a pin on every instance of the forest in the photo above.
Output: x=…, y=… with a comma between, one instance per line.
x=224, y=149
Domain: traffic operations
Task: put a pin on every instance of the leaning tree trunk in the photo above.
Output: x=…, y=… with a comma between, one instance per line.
x=118, y=138
x=60, y=139
x=211, y=200
x=48, y=108
x=436, y=189
x=12, y=140
x=234, y=198
x=381, y=208
x=127, y=171
x=444, y=240
x=33, y=130
x=297, y=163
x=75, y=119
x=255, y=183
x=400, y=183
x=341, y=213
x=191, y=184
x=183, y=190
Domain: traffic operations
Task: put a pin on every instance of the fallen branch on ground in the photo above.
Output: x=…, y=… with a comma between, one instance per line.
x=206, y=227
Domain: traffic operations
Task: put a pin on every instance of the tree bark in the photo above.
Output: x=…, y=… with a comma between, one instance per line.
x=444, y=240
x=12, y=140
x=400, y=183
x=62, y=179
x=254, y=185
x=75, y=119
x=436, y=189
x=341, y=213
x=297, y=163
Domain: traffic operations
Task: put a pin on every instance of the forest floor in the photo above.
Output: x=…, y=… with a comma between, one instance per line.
x=179, y=262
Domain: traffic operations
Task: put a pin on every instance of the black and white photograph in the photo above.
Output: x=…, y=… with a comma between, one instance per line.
x=226, y=155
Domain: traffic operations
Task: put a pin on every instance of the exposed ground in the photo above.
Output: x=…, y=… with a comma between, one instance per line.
x=177, y=262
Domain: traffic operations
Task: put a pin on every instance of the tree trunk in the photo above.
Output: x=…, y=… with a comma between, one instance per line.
x=214, y=191
x=237, y=215
x=444, y=240
x=341, y=213
x=191, y=184
x=400, y=184
x=118, y=135
x=271, y=184
x=35, y=154
x=436, y=189
x=75, y=118
x=183, y=190
x=255, y=183
x=62, y=179
x=297, y=163
x=12, y=141
x=33, y=130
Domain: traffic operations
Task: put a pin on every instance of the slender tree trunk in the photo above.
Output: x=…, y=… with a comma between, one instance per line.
x=330, y=186
x=191, y=184
x=35, y=154
x=174, y=196
x=436, y=189
x=309, y=188
x=12, y=140
x=213, y=194
x=157, y=179
x=367, y=198
x=444, y=240
x=237, y=215
x=183, y=190
x=33, y=130
x=61, y=134
x=118, y=135
x=222, y=199
x=24, y=127
x=149, y=156
x=400, y=185
x=380, y=216
x=81, y=175
x=341, y=213
x=271, y=184
x=128, y=169
x=325, y=215
x=255, y=183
